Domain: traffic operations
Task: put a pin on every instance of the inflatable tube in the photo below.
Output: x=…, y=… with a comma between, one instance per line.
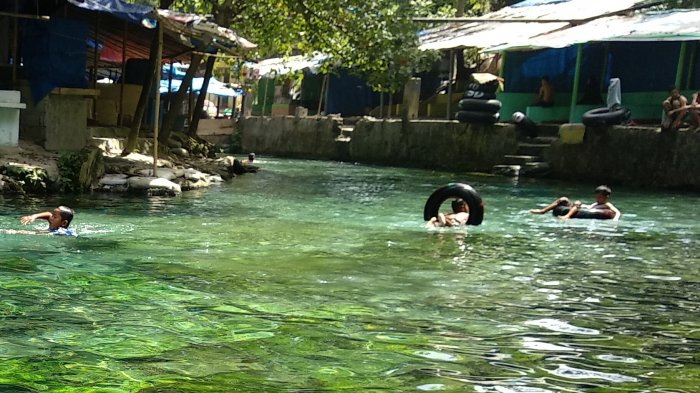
x=479, y=95
x=456, y=190
x=472, y=104
x=597, y=214
x=489, y=87
x=605, y=117
x=477, y=117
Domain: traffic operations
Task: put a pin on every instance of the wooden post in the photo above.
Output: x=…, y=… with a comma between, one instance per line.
x=15, y=41
x=681, y=61
x=95, y=55
x=323, y=94
x=192, y=131
x=448, y=115
x=121, y=87
x=577, y=76
x=170, y=83
x=156, y=110
x=267, y=82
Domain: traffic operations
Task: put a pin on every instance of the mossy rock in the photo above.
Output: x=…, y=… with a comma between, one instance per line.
x=31, y=178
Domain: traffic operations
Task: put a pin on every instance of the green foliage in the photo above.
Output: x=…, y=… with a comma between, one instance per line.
x=69, y=172
x=32, y=179
x=78, y=170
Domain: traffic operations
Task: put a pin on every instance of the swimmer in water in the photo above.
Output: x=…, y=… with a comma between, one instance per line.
x=460, y=216
x=59, y=219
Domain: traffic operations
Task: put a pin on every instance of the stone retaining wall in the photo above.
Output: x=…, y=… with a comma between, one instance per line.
x=423, y=143
x=631, y=155
x=639, y=156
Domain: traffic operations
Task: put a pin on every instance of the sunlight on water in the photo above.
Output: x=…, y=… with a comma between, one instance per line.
x=320, y=276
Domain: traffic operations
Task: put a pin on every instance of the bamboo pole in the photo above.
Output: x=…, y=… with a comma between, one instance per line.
x=156, y=110
x=121, y=87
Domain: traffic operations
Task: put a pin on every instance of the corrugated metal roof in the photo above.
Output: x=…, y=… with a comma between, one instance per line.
x=675, y=25
x=554, y=14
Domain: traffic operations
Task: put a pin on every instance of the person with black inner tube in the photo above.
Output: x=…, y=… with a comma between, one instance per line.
x=545, y=95
x=459, y=217
x=602, y=205
x=675, y=109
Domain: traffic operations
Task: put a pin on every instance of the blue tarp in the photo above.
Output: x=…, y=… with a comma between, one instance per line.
x=54, y=54
x=349, y=96
x=132, y=13
x=215, y=87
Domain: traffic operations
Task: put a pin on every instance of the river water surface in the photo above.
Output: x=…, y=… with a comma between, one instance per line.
x=320, y=276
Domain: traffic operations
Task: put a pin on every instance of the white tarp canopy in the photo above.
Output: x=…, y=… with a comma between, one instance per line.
x=673, y=25
x=538, y=17
x=286, y=65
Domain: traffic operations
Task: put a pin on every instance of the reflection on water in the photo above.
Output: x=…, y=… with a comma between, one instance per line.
x=319, y=276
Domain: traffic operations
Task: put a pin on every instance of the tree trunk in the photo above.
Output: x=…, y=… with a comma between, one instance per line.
x=202, y=96
x=176, y=103
x=165, y=4
x=143, y=99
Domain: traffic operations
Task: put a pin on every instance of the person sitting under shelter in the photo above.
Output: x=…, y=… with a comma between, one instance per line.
x=675, y=109
x=545, y=96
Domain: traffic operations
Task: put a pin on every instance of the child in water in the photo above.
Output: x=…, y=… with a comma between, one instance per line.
x=59, y=219
x=602, y=203
x=459, y=217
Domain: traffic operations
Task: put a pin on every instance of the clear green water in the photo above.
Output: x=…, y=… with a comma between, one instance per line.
x=319, y=276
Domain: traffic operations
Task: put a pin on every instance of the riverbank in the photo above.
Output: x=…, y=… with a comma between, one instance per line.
x=28, y=168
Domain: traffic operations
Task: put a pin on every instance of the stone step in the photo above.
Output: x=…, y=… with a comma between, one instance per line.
x=519, y=160
x=544, y=139
x=506, y=170
x=536, y=169
x=346, y=130
x=532, y=149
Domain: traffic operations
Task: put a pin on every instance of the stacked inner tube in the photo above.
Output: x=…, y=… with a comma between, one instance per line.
x=601, y=117
x=455, y=190
x=479, y=104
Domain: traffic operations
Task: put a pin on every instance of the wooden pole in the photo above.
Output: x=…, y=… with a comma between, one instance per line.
x=448, y=115
x=156, y=110
x=577, y=76
x=323, y=94
x=15, y=41
x=95, y=55
x=170, y=84
x=194, y=124
x=121, y=87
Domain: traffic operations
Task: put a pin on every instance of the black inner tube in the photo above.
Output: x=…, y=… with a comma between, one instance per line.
x=598, y=214
x=456, y=190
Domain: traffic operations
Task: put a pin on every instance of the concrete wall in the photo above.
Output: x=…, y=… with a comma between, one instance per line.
x=57, y=122
x=423, y=143
x=304, y=137
x=638, y=156
x=630, y=155
x=432, y=144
